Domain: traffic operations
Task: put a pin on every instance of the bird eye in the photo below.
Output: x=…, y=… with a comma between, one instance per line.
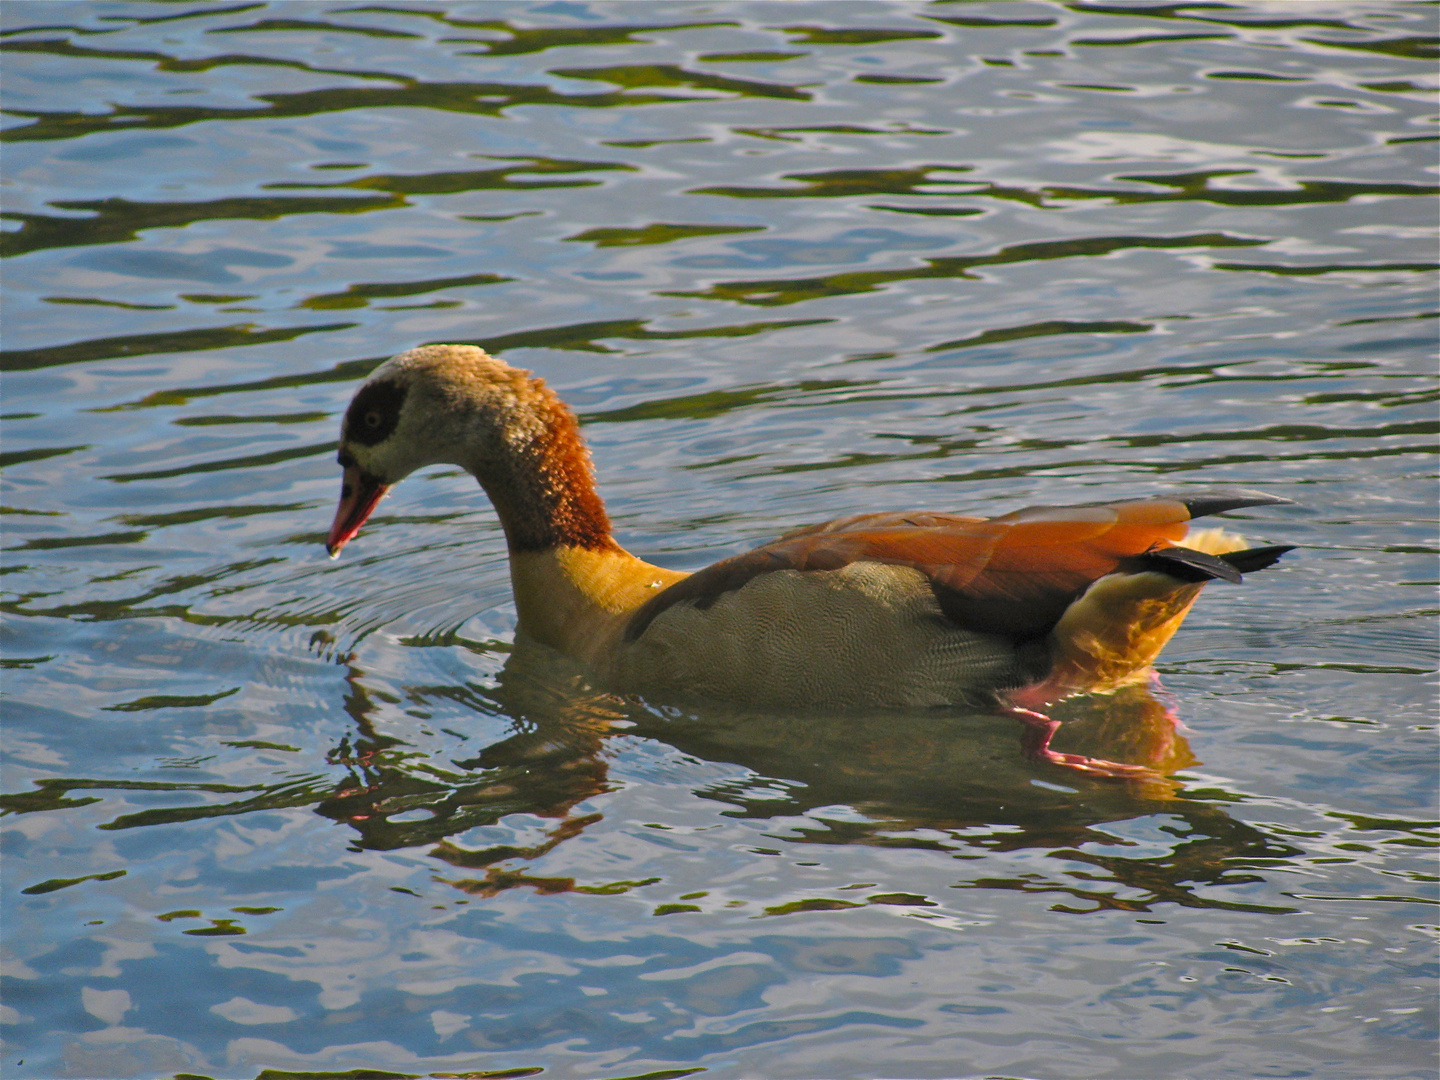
x=372, y=419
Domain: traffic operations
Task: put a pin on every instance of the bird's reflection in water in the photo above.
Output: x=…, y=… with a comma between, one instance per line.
x=959, y=777
x=550, y=763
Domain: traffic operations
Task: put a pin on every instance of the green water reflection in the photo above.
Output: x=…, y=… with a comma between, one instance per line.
x=269, y=815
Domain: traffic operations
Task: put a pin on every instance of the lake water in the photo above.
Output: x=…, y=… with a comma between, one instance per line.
x=272, y=814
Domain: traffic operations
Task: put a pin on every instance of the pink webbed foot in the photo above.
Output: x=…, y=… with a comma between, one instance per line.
x=1039, y=729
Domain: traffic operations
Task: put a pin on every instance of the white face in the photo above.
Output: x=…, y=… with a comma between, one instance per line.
x=430, y=406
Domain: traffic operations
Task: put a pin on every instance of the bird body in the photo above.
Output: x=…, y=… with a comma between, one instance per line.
x=889, y=610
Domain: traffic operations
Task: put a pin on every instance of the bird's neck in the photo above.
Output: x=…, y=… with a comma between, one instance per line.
x=538, y=475
x=575, y=587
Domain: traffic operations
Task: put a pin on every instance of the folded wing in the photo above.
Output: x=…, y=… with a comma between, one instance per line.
x=1013, y=576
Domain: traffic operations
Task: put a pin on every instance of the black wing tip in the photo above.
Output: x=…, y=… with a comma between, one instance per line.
x=1187, y=564
x=1193, y=566
x=1204, y=503
x=1256, y=558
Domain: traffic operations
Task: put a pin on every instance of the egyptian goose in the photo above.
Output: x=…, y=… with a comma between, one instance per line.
x=878, y=610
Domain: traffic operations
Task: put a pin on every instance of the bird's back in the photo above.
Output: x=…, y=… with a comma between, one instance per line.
x=927, y=609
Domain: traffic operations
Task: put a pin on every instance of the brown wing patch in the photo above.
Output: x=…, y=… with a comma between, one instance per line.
x=1048, y=556
x=1013, y=575
x=870, y=522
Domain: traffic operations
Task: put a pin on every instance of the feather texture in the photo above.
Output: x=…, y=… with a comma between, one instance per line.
x=1012, y=575
x=882, y=609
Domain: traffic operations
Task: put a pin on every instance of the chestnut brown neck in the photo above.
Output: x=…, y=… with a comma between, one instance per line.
x=543, y=487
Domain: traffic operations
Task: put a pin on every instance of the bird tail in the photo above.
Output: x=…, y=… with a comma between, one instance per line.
x=1187, y=564
x=1256, y=558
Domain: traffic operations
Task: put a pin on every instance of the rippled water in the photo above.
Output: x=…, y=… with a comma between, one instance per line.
x=788, y=261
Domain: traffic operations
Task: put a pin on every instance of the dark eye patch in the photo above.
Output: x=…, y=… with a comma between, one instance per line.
x=373, y=414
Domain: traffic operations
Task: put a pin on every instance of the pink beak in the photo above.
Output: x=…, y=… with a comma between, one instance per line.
x=359, y=495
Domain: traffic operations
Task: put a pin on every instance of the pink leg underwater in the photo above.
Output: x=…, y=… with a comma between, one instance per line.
x=1039, y=729
x=1167, y=701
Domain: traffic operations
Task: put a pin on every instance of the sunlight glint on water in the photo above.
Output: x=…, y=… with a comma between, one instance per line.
x=787, y=262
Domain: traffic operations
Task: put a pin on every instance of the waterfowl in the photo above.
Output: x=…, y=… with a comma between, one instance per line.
x=880, y=610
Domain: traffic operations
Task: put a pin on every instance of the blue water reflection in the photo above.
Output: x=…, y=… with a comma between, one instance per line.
x=264, y=811
x=851, y=246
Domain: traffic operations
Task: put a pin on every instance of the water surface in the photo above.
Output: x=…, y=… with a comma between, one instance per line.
x=788, y=262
